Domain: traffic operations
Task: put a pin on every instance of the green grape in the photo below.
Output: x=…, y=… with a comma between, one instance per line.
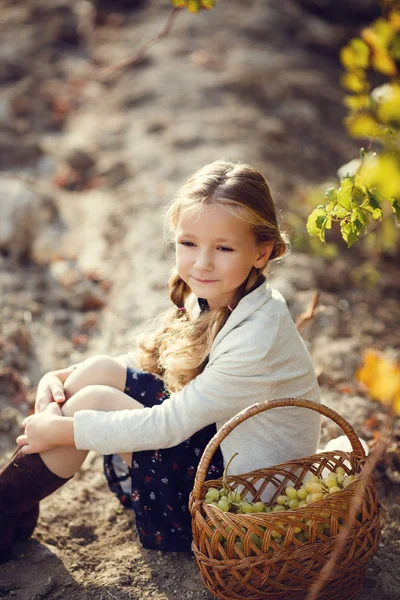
x=313, y=479
x=297, y=529
x=340, y=471
x=268, y=509
x=258, y=507
x=316, y=497
x=302, y=503
x=239, y=545
x=291, y=493
x=302, y=493
x=340, y=478
x=282, y=499
x=246, y=507
x=308, y=499
x=278, y=508
x=347, y=480
x=256, y=540
x=330, y=481
x=209, y=501
x=234, y=497
x=212, y=494
x=276, y=534
x=223, y=505
x=334, y=489
x=314, y=488
x=294, y=503
x=320, y=527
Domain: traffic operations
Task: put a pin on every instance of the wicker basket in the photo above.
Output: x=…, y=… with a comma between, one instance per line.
x=235, y=564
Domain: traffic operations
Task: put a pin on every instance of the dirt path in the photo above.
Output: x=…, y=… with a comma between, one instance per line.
x=239, y=84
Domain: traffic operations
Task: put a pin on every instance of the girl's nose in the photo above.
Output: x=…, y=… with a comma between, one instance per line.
x=204, y=261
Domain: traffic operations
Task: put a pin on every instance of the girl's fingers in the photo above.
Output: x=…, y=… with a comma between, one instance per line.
x=22, y=440
x=57, y=390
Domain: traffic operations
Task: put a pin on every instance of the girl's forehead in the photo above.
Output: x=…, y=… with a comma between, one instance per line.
x=206, y=212
x=213, y=219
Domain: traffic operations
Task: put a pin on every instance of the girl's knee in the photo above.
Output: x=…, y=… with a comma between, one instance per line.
x=101, y=370
x=91, y=397
x=99, y=397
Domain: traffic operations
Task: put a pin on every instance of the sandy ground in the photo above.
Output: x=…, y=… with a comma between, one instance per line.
x=243, y=84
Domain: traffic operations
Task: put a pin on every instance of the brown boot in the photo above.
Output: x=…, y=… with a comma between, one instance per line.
x=24, y=481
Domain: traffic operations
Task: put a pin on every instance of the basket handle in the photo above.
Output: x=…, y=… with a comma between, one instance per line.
x=259, y=407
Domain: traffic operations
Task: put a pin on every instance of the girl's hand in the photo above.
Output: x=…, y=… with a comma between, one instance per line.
x=50, y=389
x=40, y=430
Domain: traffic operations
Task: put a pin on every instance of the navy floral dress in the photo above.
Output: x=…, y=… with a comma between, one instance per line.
x=158, y=483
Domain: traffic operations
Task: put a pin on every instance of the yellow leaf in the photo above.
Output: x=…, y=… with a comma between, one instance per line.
x=381, y=376
x=355, y=82
x=355, y=55
x=383, y=63
x=362, y=125
x=394, y=19
x=389, y=105
x=381, y=172
x=370, y=37
x=384, y=30
x=357, y=102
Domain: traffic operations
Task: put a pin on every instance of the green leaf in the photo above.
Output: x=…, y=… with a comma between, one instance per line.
x=359, y=218
x=316, y=223
x=396, y=208
x=373, y=206
x=345, y=195
x=349, y=233
x=331, y=194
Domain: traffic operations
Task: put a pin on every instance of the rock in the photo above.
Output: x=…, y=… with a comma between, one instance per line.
x=18, y=209
x=19, y=335
x=85, y=295
x=115, y=171
x=80, y=159
x=18, y=150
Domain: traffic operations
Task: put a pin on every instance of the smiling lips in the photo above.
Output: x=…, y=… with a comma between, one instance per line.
x=205, y=280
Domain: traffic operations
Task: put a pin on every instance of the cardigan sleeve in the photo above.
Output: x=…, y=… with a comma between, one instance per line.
x=228, y=384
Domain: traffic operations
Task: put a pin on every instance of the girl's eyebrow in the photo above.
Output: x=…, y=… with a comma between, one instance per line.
x=185, y=234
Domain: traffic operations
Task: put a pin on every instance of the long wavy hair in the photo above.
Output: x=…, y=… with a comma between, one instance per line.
x=177, y=350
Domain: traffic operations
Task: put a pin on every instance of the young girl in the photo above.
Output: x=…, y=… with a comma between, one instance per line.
x=227, y=342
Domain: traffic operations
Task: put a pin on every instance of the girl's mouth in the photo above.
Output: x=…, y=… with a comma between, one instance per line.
x=204, y=280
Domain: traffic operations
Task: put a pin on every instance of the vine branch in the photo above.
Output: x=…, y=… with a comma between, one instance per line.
x=106, y=73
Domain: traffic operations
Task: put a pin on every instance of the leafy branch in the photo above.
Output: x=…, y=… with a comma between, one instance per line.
x=373, y=179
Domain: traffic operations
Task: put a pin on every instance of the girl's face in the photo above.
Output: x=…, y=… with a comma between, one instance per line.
x=215, y=252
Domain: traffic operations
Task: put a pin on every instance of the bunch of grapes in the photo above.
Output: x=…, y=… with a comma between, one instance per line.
x=312, y=490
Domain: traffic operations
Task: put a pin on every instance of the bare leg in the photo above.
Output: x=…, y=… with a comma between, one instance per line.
x=89, y=388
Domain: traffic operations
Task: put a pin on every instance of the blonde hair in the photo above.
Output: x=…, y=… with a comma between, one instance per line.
x=177, y=352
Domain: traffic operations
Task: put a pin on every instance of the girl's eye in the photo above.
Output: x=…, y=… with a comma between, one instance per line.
x=188, y=244
x=225, y=249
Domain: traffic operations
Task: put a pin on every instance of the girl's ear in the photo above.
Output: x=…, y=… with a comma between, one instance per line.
x=264, y=252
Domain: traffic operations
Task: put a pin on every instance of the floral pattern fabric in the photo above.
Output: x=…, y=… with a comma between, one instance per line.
x=158, y=483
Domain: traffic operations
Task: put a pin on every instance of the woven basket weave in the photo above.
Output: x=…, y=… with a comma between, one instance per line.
x=235, y=564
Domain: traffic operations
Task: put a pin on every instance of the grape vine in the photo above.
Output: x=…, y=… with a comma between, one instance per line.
x=372, y=182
